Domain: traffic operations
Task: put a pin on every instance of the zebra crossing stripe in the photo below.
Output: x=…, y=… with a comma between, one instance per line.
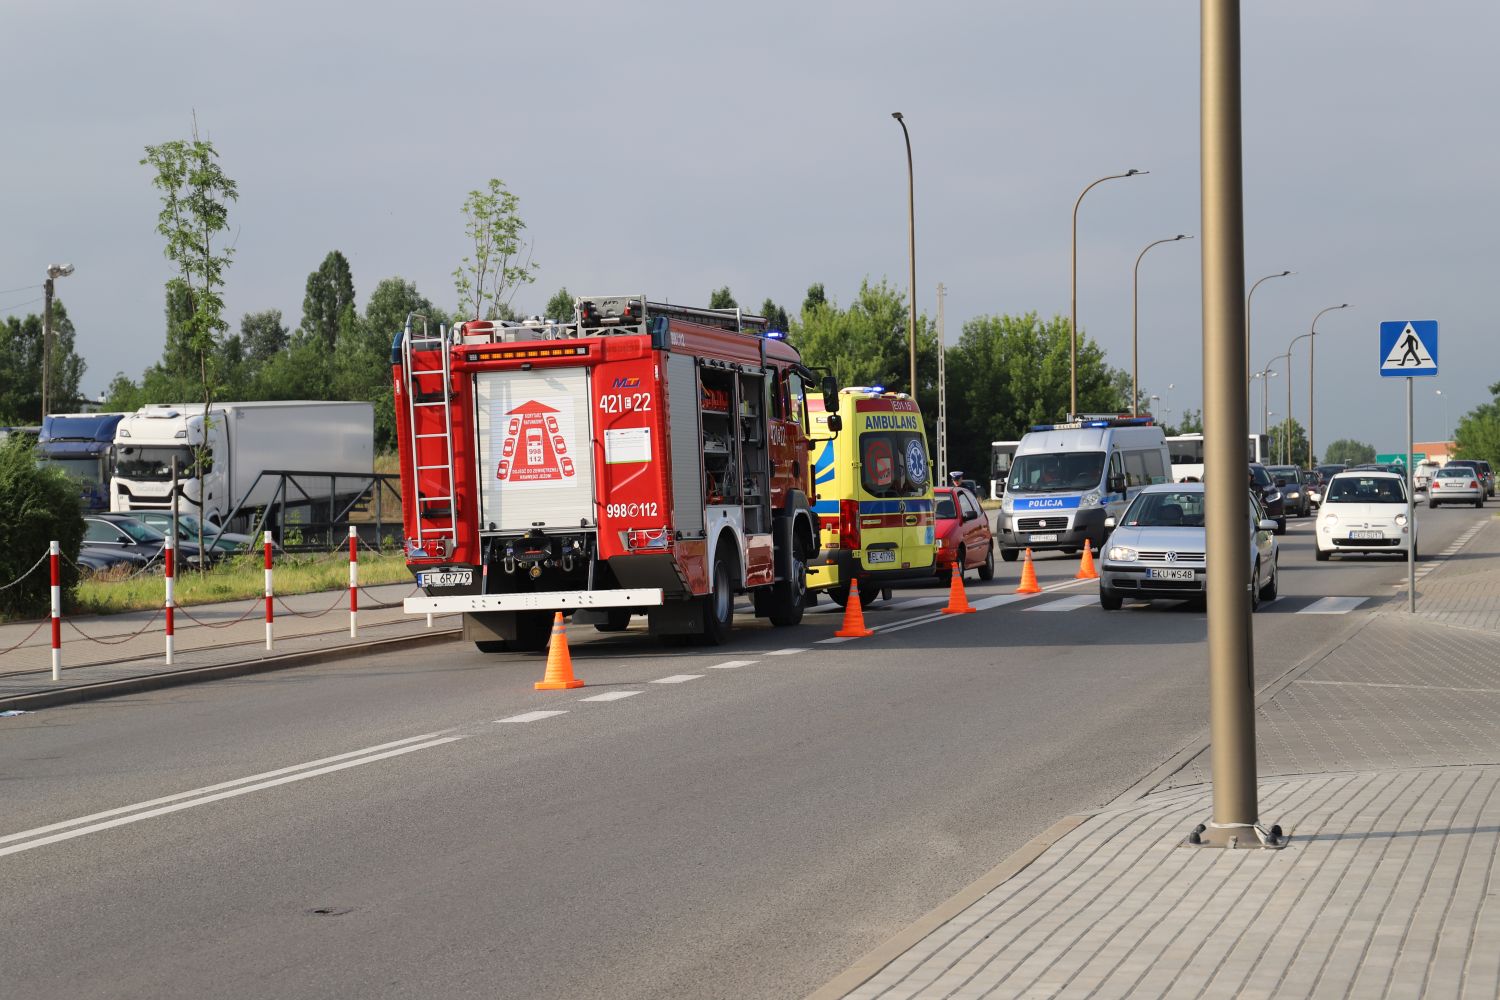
x=1333, y=606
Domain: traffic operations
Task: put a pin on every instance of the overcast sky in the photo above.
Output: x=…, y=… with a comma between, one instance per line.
x=672, y=148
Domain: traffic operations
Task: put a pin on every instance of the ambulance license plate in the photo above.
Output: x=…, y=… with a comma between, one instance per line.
x=880, y=556
x=1160, y=573
x=446, y=578
x=1044, y=538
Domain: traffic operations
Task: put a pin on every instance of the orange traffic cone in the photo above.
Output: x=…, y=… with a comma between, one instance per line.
x=1028, y=578
x=854, y=617
x=958, y=601
x=1086, y=569
x=559, y=676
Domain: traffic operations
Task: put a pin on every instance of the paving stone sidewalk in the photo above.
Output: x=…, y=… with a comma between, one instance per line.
x=1382, y=760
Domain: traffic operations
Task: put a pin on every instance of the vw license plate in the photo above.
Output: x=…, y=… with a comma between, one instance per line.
x=1044, y=538
x=880, y=556
x=1366, y=534
x=446, y=578
x=1160, y=573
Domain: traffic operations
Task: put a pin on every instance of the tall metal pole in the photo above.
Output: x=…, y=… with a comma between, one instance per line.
x=46, y=347
x=1135, y=313
x=942, y=428
x=911, y=235
x=1249, y=298
x=1411, y=522
x=1291, y=456
x=1073, y=293
x=1230, y=651
x=1312, y=344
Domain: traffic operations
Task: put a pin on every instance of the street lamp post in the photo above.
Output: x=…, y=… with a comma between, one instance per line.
x=1135, y=312
x=1264, y=374
x=1073, y=293
x=911, y=238
x=1447, y=432
x=54, y=271
x=1288, y=415
x=1248, y=297
x=1289, y=458
x=1312, y=345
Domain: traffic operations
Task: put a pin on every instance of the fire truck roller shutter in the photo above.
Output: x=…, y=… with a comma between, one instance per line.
x=687, y=450
x=536, y=457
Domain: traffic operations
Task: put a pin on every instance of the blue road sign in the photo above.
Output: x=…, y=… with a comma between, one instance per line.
x=1408, y=347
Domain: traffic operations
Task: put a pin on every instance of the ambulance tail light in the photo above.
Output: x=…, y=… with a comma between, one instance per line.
x=648, y=538
x=848, y=524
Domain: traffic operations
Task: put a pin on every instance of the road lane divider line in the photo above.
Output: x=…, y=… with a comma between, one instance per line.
x=611, y=696
x=1070, y=603
x=787, y=652
x=208, y=789
x=678, y=679
x=1404, y=687
x=217, y=796
x=733, y=664
x=983, y=604
x=533, y=716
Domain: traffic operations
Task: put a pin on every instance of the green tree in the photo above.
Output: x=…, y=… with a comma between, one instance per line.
x=1346, y=451
x=776, y=316
x=21, y=366
x=124, y=394
x=1293, y=433
x=328, y=303
x=560, y=306
x=1478, y=431
x=816, y=296
x=38, y=504
x=1191, y=423
x=264, y=335
x=502, y=260
x=722, y=298
x=364, y=363
x=866, y=343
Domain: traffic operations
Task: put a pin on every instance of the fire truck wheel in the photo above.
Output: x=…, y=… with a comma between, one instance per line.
x=718, y=606
x=490, y=645
x=533, y=632
x=789, y=597
x=619, y=621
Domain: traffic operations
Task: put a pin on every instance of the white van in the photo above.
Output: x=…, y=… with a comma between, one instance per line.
x=1066, y=479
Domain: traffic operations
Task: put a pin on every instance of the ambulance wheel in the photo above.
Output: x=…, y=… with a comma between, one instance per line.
x=718, y=605
x=987, y=571
x=789, y=597
x=1010, y=555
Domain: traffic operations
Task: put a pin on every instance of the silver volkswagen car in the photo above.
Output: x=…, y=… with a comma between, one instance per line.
x=1158, y=549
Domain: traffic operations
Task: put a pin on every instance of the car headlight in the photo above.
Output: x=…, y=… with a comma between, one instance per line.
x=1273, y=496
x=1401, y=520
x=1089, y=499
x=1120, y=553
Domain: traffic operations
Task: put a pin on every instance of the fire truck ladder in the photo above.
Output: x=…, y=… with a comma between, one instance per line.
x=427, y=455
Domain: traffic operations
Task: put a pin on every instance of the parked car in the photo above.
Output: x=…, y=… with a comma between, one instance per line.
x=220, y=543
x=1293, y=489
x=1455, y=483
x=102, y=558
x=125, y=533
x=963, y=534
x=1482, y=467
x=1365, y=511
x=1159, y=549
x=1269, y=494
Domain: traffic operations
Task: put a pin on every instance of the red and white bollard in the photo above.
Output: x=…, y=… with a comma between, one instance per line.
x=270, y=617
x=353, y=582
x=169, y=559
x=55, y=558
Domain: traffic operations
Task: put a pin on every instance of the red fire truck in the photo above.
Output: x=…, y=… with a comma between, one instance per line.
x=641, y=459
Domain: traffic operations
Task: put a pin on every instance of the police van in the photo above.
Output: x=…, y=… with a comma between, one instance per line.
x=874, y=494
x=1065, y=479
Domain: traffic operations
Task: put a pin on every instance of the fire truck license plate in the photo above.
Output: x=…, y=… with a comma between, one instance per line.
x=446, y=578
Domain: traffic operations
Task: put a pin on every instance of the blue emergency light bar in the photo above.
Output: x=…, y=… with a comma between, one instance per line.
x=1075, y=425
x=775, y=334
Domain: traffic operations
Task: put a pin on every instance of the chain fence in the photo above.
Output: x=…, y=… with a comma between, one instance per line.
x=23, y=576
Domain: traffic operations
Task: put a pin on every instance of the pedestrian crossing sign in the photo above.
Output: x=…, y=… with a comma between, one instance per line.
x=1408, y=347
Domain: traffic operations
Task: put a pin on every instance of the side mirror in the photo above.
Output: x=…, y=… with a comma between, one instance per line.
x=1109, y=522
x=1267, y=525
x=1116, y=484
x=835, y=423
x=830, y=394
x=970, y=515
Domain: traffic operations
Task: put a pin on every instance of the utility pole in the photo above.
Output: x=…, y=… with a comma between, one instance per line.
x=53, y=271
x=942, y=428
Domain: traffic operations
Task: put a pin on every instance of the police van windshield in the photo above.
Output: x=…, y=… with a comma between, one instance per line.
x=893, y=464
x=1067, y=472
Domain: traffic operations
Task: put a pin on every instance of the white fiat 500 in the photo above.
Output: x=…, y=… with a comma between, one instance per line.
x=1365, y=511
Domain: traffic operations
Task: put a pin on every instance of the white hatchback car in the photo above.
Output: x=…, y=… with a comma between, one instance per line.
x=1365, y=511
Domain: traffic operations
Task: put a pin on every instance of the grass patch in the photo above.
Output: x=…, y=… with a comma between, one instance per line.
x=235, y=579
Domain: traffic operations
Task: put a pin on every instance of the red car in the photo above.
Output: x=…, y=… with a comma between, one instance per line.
x=963, y=529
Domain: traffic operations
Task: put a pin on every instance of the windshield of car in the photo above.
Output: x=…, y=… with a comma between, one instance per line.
x=153, y=464
x=140, y=532
x=1260, y=476
x=1290, y=473
x=1058, y=472
x=893, y=464
x=1365, y=489
x=1166, y=510
x=1458, y=473
x=945, y=508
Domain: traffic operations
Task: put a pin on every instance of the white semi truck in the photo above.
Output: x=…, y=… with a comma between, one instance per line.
x=241, y=441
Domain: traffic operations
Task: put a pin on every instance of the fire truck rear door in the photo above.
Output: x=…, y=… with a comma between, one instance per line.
x=536, y=455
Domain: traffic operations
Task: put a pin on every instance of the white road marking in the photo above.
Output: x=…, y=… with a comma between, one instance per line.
x=733, y=664
x=1333, y=606
x=1070, y=603
x=787, y=652
x=1410, y=687
x=205, y=799
x=611, y=696
x=678, y=679
x=983, y=604
x=192, y=793
x=533, y=716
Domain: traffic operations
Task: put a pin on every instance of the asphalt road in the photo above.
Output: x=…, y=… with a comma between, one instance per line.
x=742, y=822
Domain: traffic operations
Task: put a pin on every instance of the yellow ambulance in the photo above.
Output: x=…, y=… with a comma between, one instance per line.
x=874, y=494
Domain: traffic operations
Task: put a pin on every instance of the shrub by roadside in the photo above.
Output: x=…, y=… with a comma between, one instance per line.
x=37, y=505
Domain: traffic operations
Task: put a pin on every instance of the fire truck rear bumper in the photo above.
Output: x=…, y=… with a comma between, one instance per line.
x=560, y=600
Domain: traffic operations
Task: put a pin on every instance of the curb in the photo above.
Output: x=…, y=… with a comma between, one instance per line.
x=870, y=965
x=218, y=671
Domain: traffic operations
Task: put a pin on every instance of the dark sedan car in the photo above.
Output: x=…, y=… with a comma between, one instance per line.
x=1270, y=495
x=101, y=558
x=124, y=533
x=1293, y=485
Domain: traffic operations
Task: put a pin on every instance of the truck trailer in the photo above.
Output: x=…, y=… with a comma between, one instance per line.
x=238, y=442
x=641, y=459
x=83, y=446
